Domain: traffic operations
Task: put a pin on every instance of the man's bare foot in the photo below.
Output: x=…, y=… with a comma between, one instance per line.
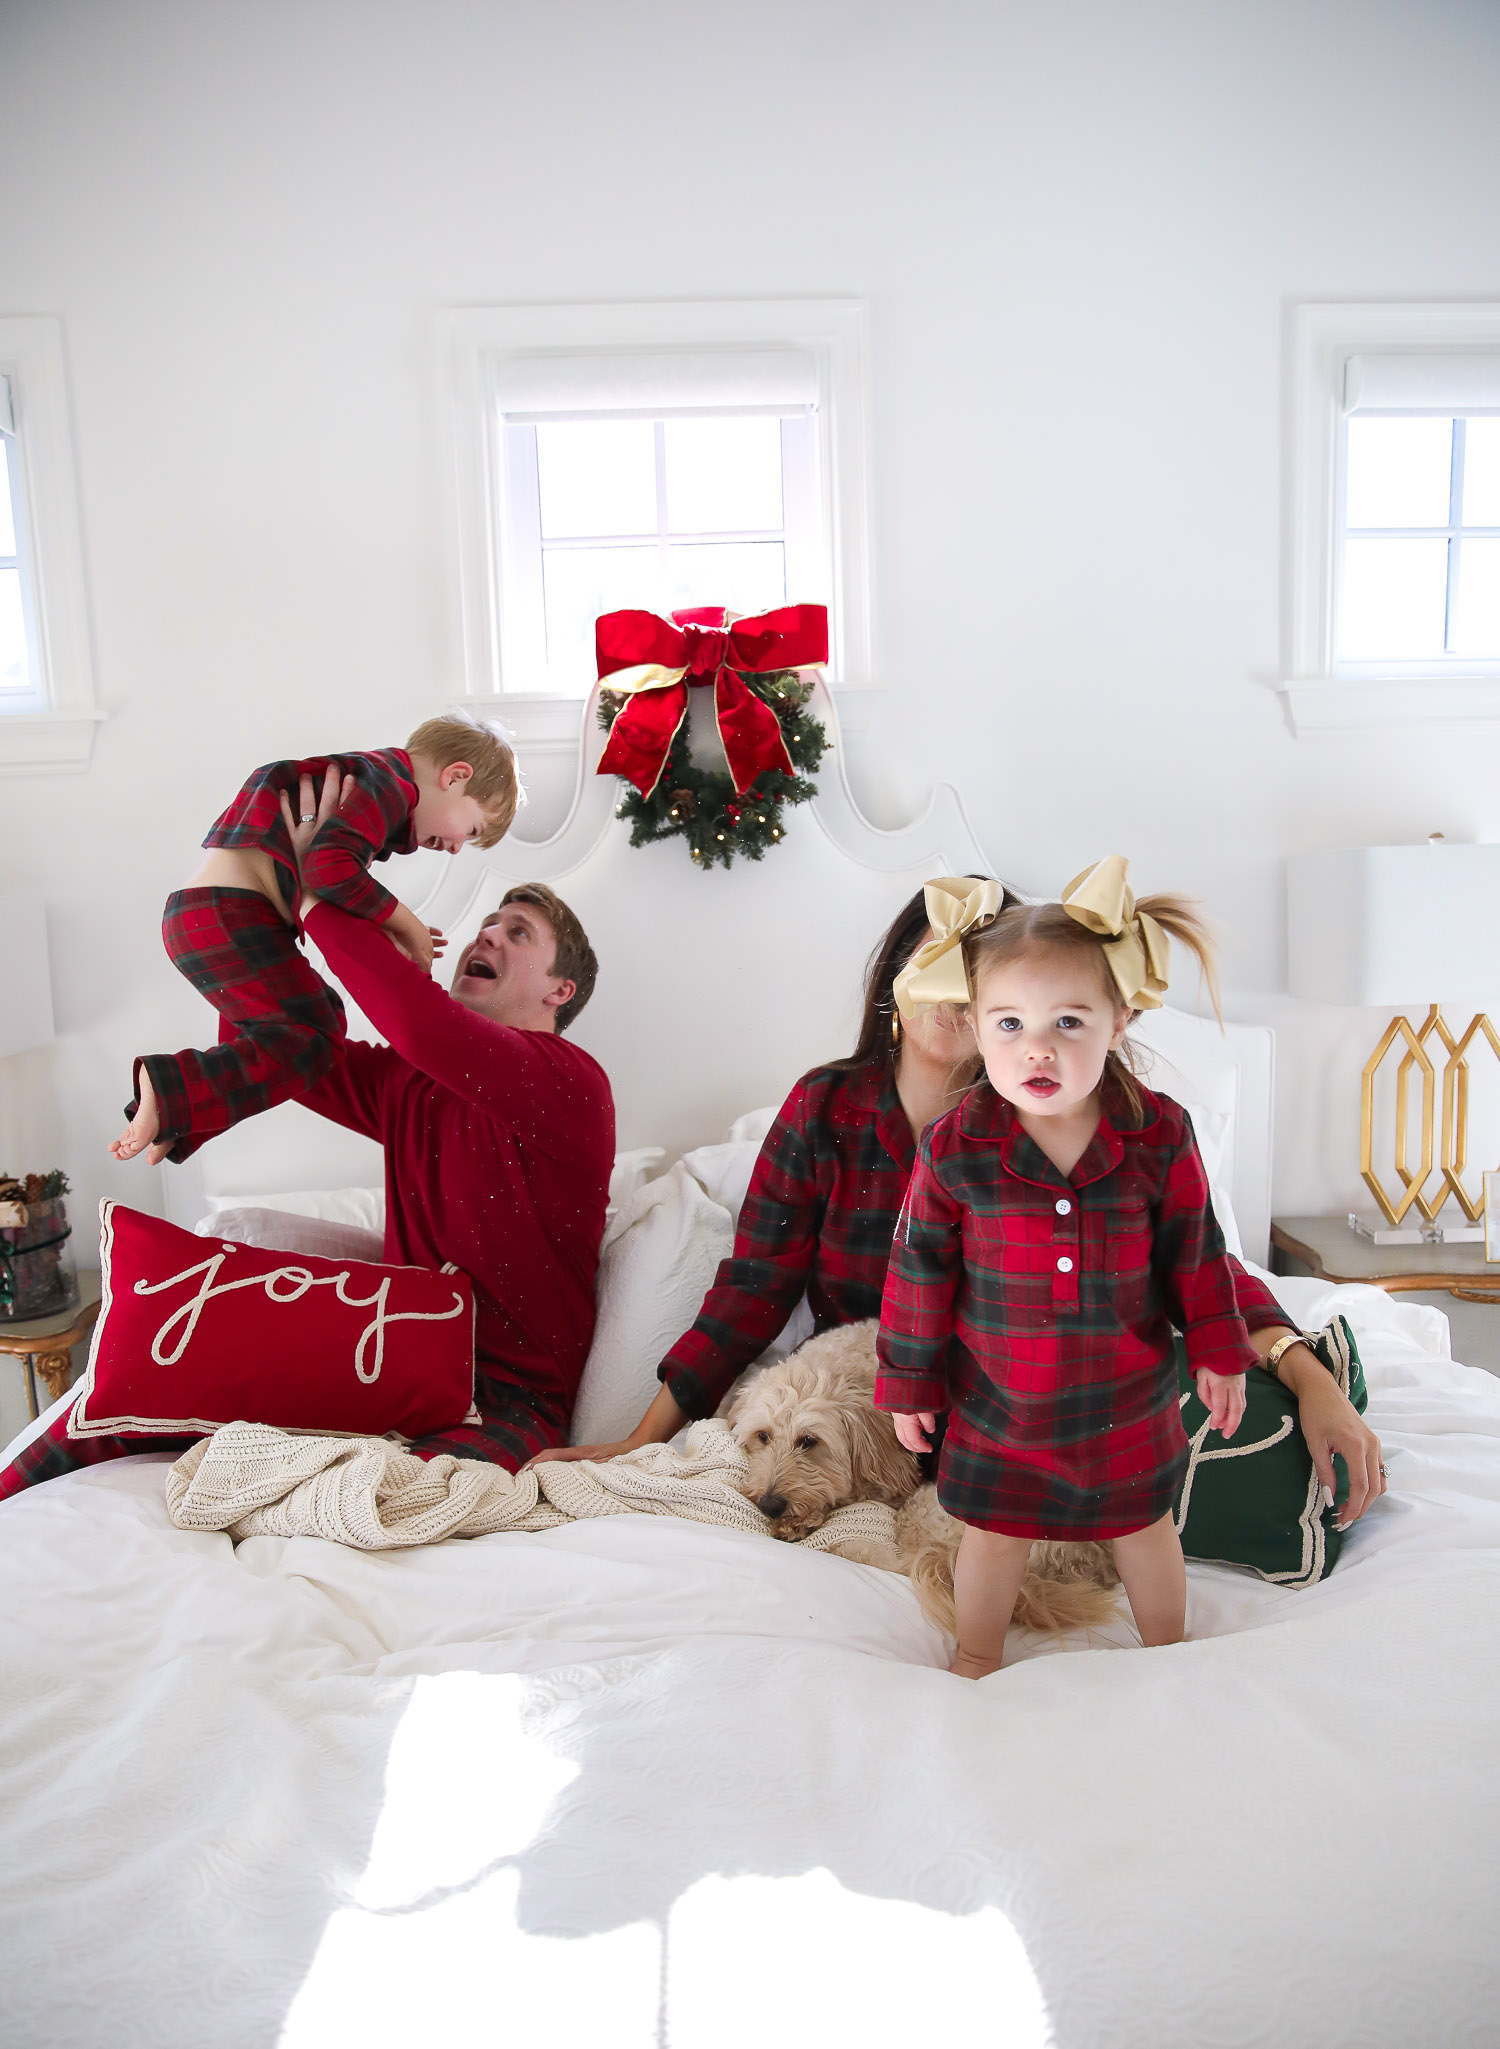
x=142, y=1128
x=966, y=1666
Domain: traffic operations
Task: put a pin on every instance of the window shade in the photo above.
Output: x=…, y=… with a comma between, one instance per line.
x=548, y=384
x=7, y=416
x=1422, y=384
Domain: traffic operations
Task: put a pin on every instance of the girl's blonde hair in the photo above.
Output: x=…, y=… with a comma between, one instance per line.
x=1036, y=928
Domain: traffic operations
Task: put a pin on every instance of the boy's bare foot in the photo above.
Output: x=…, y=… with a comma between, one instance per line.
x=966, y=1666
x=142, y=1128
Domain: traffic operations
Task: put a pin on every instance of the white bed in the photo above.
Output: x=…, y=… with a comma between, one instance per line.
x=645, y=1782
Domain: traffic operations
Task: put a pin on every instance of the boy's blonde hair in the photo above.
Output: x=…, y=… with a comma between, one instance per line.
x=1035, y=928
x=494, y=784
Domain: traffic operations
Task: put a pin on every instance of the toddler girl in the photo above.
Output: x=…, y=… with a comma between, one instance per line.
x=1056, y=1228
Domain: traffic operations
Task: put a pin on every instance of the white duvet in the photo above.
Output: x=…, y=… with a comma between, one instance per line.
x=648, y=1782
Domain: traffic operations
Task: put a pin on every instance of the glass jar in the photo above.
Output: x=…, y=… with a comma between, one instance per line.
x=38, y=1273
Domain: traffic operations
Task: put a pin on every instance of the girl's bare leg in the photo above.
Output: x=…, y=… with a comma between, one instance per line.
x=1150, y=1564
x=987, y=1576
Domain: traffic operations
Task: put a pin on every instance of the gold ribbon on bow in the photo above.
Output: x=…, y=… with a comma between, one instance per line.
x=1101, y=899
x=936, y=972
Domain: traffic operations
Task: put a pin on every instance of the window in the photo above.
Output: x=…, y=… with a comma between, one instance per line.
x=1396, y=533
x=47, y=714
x=660, y=457
x=19, y=665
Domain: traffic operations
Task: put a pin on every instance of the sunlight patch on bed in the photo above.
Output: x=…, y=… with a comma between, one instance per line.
x=431, y=1934
x=839, y=1966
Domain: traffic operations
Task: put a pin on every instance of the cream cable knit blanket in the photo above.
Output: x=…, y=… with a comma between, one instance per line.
x=254, y=1481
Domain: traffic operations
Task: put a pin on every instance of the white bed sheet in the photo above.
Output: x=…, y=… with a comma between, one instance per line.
x=646, y=1782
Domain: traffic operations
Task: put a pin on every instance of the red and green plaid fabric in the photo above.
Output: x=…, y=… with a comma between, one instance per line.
x=281, y=1027
x=818, y=1217
x=1038, y=1309
x=373, y=821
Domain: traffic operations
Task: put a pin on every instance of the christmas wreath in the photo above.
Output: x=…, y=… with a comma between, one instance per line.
x=702, y=806
x=648, y=667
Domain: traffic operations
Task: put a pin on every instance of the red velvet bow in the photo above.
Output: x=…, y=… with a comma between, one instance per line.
x=701, y=646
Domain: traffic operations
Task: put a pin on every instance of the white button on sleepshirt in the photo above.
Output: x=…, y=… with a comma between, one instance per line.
x=1064, y=1207
x=1065, y=1265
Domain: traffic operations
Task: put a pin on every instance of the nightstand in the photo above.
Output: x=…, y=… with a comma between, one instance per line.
x=1453, y=1278
x=45, y=1343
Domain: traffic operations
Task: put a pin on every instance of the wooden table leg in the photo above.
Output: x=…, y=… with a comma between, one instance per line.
x=54, y=1368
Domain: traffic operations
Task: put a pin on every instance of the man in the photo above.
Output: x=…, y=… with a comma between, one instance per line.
x=499, y=1139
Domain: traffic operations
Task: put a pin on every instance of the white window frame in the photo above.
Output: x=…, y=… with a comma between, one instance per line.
x=476, y=346
x=52, y=730
x=1322, y=693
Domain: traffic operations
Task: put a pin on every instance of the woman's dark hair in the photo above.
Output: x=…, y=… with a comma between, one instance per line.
x=901, y=940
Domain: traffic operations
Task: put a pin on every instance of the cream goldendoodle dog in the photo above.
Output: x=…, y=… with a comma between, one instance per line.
x=815, y=1441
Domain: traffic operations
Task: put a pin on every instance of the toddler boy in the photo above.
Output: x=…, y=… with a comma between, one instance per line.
x=234, y=929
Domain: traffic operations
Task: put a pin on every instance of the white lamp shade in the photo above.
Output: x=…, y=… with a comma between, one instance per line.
x=25, y=977
x=1395, y=926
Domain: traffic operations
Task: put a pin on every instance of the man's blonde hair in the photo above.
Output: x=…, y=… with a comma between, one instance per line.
x=494, y=783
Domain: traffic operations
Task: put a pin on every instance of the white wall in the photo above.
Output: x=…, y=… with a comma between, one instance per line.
x=1079, y=228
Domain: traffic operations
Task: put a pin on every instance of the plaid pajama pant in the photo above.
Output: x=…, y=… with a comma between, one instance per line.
x=512, y=1427
x=280, y=1026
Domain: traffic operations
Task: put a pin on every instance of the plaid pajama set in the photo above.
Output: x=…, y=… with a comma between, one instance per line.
x=1037, y=1308
x=817, y=1219
x=281, y=1026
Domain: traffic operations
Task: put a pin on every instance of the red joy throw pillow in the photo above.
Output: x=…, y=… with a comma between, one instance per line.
x=195, y=1332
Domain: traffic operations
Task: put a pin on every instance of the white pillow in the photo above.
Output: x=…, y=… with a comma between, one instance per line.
x=631, y=1171
x=362, y=1207
x=723, y=1171
x=660, y=1255
x=275, y=1230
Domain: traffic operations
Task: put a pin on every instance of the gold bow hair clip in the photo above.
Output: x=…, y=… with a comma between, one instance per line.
x=937, y=973
x=1102, y=900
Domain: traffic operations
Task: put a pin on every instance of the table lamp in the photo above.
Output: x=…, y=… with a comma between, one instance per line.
x=1406, y=926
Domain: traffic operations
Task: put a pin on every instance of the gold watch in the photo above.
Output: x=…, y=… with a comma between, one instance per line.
x=1272, y=1360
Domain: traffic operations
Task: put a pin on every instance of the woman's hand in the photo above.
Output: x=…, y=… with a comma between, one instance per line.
x=593, y=1451
x=662, y=1420
x=1330, y=1424
x=915, y=1431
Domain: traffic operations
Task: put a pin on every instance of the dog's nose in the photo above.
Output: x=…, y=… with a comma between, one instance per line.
x=772, y=1505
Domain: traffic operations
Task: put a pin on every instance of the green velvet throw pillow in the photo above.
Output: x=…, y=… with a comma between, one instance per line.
x=1256, y=1499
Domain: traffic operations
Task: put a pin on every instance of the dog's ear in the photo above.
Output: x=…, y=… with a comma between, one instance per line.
x=742, y=1394
x=881, y=1468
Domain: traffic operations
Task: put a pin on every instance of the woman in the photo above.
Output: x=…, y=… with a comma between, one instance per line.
x=821, y=1211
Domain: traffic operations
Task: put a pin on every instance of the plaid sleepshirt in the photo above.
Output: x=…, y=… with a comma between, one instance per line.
x=1038, y=1309
x=281, y=1026
x=817, y=1218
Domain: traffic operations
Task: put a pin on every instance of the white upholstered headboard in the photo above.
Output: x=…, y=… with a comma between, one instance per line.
x=716, y=990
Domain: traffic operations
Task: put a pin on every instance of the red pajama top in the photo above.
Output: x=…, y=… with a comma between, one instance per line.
x=371, y=823
x=1038, y=1307
x=498, y=1149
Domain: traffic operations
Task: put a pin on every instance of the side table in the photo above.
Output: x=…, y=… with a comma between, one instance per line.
x=1443, y=1276
x=45, y=1343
